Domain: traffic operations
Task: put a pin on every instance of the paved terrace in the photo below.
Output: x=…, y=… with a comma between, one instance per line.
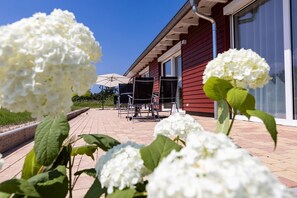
x=251, y=136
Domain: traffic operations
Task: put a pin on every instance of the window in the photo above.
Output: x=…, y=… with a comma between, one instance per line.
x=294, y=51
x=167, y=68
x=260, y=27
x=171, y=65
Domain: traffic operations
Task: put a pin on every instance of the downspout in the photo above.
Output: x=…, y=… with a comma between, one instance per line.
x=194, y=4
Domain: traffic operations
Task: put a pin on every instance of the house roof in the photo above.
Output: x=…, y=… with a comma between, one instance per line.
x=178, y=25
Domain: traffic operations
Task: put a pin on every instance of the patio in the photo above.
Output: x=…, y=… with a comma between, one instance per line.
x=251, y=136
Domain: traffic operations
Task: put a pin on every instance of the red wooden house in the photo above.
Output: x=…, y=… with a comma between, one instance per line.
x=184, y=47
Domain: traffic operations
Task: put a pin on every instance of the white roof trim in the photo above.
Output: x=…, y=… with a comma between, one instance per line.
x=235, y=6
x=145, y=70
x=170, y=52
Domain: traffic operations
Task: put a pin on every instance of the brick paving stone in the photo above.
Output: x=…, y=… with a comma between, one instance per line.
x=287, y=182
x=287, y=174
x=249, y=135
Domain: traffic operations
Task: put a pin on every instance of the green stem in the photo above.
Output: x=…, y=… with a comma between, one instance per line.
x=183, y=142
x=76, y=178
x=233, y=118
x=70, y=172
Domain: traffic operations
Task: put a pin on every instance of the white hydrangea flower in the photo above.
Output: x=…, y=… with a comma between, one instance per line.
x=1, y=161
x=243, y=68
x=177, y=125
x=121, y=167
x=44, y=60
x=228, y=172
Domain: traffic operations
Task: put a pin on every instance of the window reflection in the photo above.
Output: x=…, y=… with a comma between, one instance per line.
x=167, y=68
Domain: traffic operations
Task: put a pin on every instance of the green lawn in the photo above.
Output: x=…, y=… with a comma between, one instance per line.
x=9, y=118
x=92, y=104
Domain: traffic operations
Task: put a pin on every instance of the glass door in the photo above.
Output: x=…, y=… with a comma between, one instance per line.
x=173, y=67
x=260, y=27
x=167, y=71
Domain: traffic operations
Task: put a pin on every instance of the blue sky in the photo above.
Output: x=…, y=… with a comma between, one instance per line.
x=123, y=28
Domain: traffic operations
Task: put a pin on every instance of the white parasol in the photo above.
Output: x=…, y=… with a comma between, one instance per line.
x=111, y=80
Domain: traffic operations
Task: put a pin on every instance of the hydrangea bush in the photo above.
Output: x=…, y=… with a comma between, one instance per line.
x=227, y=79
x=44, y=60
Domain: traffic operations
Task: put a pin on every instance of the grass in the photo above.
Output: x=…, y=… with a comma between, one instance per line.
x=9, y=118
x=83, y=104
x=92, y=104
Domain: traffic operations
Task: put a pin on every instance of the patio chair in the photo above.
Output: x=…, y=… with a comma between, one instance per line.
x=142, y=96
x=167, y=93
x=123, y=98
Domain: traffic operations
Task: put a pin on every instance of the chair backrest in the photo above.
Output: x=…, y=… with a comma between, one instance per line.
x=143, y=90
x=124, y=91
x=168, y=89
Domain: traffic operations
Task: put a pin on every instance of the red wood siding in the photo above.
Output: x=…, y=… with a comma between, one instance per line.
x=196, y=54
x=154, y=71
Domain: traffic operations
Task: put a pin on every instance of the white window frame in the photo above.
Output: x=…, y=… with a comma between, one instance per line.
x=237, y=5
x=171, y=54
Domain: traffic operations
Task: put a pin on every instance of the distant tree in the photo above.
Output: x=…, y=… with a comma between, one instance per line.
x=87, y=96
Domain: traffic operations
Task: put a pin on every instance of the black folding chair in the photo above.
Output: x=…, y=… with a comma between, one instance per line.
x=125, y=90
x=167, y=93
x=142, y=96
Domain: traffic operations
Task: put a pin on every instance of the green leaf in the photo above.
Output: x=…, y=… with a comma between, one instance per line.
x=223, y=122
x=62, y=159
x=30, y=167
x=236, y=97
x=248, y=104
x=216, y=88
x=19, y=187
x=157, y=150
x=268, y=121
x=53, y=183
x=49, y=137
x=102, y=141
x=91, y=172
x=126, y=193
x=4, y=195
x=84, y=150
x=96, y=190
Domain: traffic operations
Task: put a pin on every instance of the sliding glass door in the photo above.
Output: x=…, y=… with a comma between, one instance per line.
x=173, y=67
x=260, y=27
